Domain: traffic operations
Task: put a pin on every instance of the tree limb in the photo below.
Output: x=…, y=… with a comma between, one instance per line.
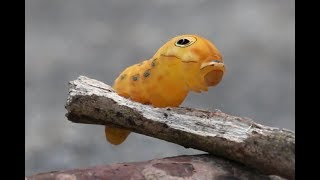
x=268, y=149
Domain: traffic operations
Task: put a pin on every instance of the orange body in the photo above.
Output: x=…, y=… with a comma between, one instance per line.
x=185, y=63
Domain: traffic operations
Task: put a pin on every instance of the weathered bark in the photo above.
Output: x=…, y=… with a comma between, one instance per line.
x=268, y=149
x=200, y=167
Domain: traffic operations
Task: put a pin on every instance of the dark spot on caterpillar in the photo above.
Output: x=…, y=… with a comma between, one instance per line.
x=135, y=77
x=153, y=63
x=165, y=115
x=146, y=73
x=122, y=76
x=183, y=41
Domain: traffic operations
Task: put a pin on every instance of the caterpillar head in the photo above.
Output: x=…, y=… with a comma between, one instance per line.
x=198, y=52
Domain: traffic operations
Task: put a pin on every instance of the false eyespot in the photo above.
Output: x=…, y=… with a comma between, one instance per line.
x=185, y=41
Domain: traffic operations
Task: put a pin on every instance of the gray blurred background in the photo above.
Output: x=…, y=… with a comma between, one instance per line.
x=98, y=39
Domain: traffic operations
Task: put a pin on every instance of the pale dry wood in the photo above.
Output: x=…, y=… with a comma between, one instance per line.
x=268, y=149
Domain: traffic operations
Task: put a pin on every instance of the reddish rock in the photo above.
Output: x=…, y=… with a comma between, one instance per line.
x=180, y=167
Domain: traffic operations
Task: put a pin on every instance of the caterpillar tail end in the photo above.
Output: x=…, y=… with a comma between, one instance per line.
x=116, y=136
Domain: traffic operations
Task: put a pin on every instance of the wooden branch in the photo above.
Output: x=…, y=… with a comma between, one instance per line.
x=268, y=149
x=202, y=167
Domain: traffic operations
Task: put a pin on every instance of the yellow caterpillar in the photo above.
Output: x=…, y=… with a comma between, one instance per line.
x=185, y=63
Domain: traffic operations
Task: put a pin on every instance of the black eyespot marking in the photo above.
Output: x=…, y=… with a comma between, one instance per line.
x=183, y=42
x=146, y=73
x=135, y=77
x=122, y=76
